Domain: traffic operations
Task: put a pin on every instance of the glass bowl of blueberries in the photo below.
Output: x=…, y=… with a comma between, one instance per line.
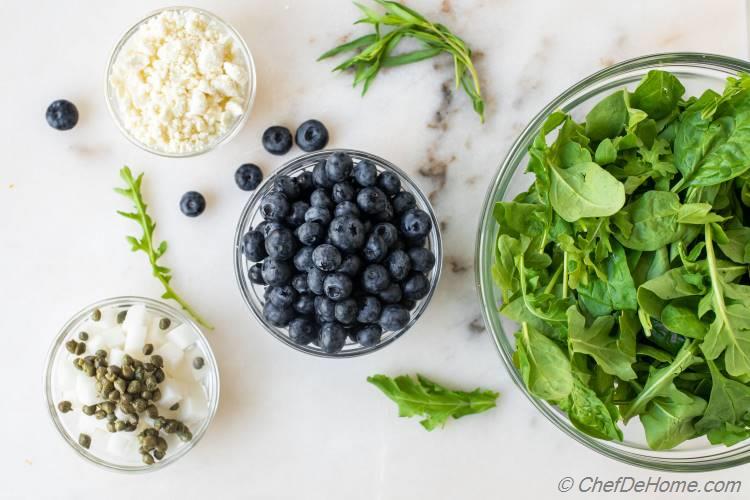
x=338, y=253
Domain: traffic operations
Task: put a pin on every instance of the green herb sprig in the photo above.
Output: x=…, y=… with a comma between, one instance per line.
x=146, y=242
x=376, y=49
x=422, y=397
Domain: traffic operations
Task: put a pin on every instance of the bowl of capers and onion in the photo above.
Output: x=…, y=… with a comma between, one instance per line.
x=131, y=384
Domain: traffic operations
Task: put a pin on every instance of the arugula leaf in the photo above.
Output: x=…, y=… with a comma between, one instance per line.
x=668, y=419
x=588, y=413
x=145, y=244
x=425, y=398
x=597, y=342
x=729, y=403
x=617, y=292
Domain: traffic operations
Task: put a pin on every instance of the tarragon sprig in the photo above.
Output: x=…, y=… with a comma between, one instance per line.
x=375, y=49
x=146, y=242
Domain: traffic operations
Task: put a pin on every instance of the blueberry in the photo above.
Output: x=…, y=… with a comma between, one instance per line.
x=417, y=243
x=347, y=233
x=392, y=294
x=280, y=244
x=305, y=303
x=326, y=257
x=287, y=186
x=394, y=317
x=416, y=286
x=403, y=201
x=365, y=173
x=315, y=279
x=422, y=259
x=62, y=115
x=342, y=191
x=299, y=283
x=320, y=179
x=274, y=206
x=302, y=331
x=338, y=166
x=277, y=140
x=337, y=286
x=255, y=273
x=253, y=246
x=350, y=265
x=276, y=272
x=248, y=177
x=369, y=335
x=409, y=304
x=317, y=214
x=415, y=224
x=325, y=309
x=389, y=183
x=369, y=309
x=399, y=264
x=375, y=249
x=346, y=208
x=303, y=259
x=371, y=200
x=375, y=278
x=346, y=311
x=332, y=337
x=385, y=215
x=267, y=227
x=282, y=296
x=319, y=198
x=277, y=316
x=310, y=233
x=387, y=231
x=297, y=213
x=311, y=136
x=304, y=181
x=192, y=204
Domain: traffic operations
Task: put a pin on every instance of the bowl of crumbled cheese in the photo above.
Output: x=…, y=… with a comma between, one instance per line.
x=180, y=82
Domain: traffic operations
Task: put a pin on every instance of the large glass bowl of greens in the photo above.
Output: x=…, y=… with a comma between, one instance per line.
x=612, y=264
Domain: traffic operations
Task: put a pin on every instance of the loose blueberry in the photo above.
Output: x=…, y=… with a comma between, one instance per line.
x=287, y=186
x=277, y=316
x=319, y=198
x=389, y=183
x=302, y=331
x=346, y=208
x=416, y=287
x=369, y=309
x=394, y=317
x=350, y=265
x=403, y=201
x=346, y=311
x=375, y=249
x=253, y=246
x=297, y=213
x=311, y=136
x=337, y=286
x=282, y=296
x=248, y=177
x=305, y=303
x=375, y=278
x=274, y=206
x=399, y=264
x=387, y=231
x=342, y=191
x=304, y=181
x=371, y=200
x=338, y=166
x=385, y=215
x=192, y=204
x=315, y=279
x=332, y=337
x=303, y=259
x=326, y=257
x=369, y=335
x=317, y=214
x=62, y=115
x=415, y=224
x=310, y=233
x=277, y=140
x=299, y=283
x=325, y=309
x=276, y=272
x=422, y=259
x=320, y=179
x=347, y=233
x=255, y=274
x=280, y=244
x=267, y=227
x=365, y=173
x=392, y=294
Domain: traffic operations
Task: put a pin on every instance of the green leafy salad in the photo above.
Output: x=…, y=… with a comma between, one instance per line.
x=626, y=264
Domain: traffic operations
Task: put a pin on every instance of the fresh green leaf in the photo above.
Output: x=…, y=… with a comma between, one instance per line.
x=669, y=417
x=585, y=190
x=657, y=94
x=596, y=341
x=543, y=365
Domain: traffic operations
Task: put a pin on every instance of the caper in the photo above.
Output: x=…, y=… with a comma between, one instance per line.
x=147, y=459
x=114, y=395
x=127, y=407
x=159, y=375
x=158, y=454
x=84, y=440
x=147, y=395
x=140, y=374
x=88, y=409
x=127, y=372
x=64, y=406
x=127, y=360
x=100, y=372
x=83, y=335
x=101, y=362
x=161, y=444
x=157, y=395
x=80, y=348
x=151, y=383
x=149, y=442
x=175, y=407
x=159, y=422
x=114, y=370
x=157, y=361
x=164, y=323
x=108, y=407
x=89, y=369
x=149, y=367
x=120, y=425
x=121, y=385
x=148, y=349
x=128, y=398
x=71, y=345
x=78, y=363
x=111, y=427
x=140, y=405
x=134, y=387
x=198, y=363
x=100, y=414
x=185, y=435
x=100, y=353
x=121, y=316
x=96, y=315
x=152, y=411
x=107, y=386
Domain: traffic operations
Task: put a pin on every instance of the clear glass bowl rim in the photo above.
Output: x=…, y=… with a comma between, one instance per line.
x=291, y=167
x=223, y=139
x=569, y=99
x=165, y=309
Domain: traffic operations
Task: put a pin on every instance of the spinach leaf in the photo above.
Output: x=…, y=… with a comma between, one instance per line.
x=729, y=402
x=597, y=342
x=608, y=117
x=585, y=190
x=738, y=246
x=588, y=413
x=668, y=419
x=543, y=365
x=617, y=292
x=657, y=94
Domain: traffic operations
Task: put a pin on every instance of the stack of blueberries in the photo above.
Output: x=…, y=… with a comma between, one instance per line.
x=341, y=252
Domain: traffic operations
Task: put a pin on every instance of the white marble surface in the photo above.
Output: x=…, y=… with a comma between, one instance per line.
x=291, y=426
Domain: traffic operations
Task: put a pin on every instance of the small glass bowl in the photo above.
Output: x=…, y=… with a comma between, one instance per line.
x=59, y=354
x=251, y=217
x=230, y=133
x=697, y=72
